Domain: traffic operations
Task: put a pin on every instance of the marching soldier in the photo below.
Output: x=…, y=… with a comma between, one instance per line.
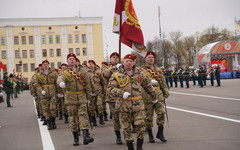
x=200, y=76
x=114, y=59
x=158, y=82
x=174, y=76
x=47, y=91
x=78, y=91
x=105, y=114
x=204, y=75
x=98, y=84
x=166, y=75
x=170, y=77
x=8, y=87
x=186, y=74
x=217, y=74
x=211, y=74
x=193, y=75
x=180, y=76
x=125, y=84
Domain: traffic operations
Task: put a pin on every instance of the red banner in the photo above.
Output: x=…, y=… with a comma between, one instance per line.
x=221, y=63
x=2, y=66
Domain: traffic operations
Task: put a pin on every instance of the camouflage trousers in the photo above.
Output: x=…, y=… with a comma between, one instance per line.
x=115, y=116
x=61, y=106
x=38, y=105
x=96, y=103
x=138, y=118
x=78, y=115
x=159, y=109
x=49, y=107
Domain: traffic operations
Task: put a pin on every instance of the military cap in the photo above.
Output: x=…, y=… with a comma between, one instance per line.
x=45, y=61
x=36, y=68
x=59, y=67
x=104, y=63
x=11, y=75
x=129, y=56
x=92, y=62
x=150, y=53
x=84, y=64
x=40, y=65
x=56, y=69
x=5, y=73
x=78, y=60
x=71, y=55
x=63, y=64
x=114, y=53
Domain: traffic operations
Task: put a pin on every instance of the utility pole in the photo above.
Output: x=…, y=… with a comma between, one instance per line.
x=160, y=31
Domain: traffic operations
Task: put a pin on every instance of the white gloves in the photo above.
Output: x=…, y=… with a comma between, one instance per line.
x=153, y=81
x=59, y=95
x=62, y=95
x=126, y=95
x=43, y=92
x=1, y=94
x=62, y=85
x=155, y=101
x=118, y=65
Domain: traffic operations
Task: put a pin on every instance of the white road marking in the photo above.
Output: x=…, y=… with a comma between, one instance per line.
x=45, y=135
x=209, y=96
x=203, y=114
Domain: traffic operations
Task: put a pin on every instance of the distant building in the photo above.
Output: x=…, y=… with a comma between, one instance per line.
x=32, y=40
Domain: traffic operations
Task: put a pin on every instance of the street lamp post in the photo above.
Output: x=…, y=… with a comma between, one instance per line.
x=20, y=62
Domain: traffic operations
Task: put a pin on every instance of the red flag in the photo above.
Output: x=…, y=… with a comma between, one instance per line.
x=131, y=33
x=2, y=66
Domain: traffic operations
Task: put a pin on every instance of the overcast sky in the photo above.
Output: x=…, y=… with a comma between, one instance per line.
x=188, y=16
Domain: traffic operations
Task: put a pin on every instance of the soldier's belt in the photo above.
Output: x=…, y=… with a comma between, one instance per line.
x=49, y=85
x=97, y=84
x=79, y=92
x=131, y=98
x=186, y=75
x=167, y=76
x=157, y=88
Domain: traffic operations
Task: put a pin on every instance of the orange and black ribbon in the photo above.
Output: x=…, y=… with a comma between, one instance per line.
x=76, y=76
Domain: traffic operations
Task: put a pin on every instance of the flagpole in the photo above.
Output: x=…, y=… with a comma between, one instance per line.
x=120, y=35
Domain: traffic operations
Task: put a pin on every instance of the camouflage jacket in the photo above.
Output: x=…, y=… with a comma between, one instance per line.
x=161, y=87
x=97, y=80
x=78, y=89
x=33, y=89
x=120, y=82
x=48, y=83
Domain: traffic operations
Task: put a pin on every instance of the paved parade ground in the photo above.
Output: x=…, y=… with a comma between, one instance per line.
x=200, y=119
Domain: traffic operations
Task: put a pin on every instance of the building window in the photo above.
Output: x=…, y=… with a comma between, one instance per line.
x=69, y=38
x=58, y=52
x=84, y=38
x=59, y=64
x=17, y=54
x=50, y=38
x=57, y=38
x=30, y=39
x=23, y=39
x=18, y=67
x=78, y=51
x=31, y=53
x=52, y=65
x=25, y=67
x=16, y=40
x=32, y=67
x=4, y=55
x=51, y=53
x=70, y=50
x=44, y=53
x=24, y=53
x=3, y=42
x=84, y=51
x=85, y=62
x=76, y=38
x=43, y=39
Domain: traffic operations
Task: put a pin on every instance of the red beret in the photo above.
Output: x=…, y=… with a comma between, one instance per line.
x=114, y=53
x=84, y=64
x=56, y=70
x=45, y=61
x=71, y=55
x=78, y=60
x=40, y=65
x=92, y=61
x=36, y=68
x=59, y=67
x=150, y=53
x=129, y=56
x=63, y=64
x=104, y=63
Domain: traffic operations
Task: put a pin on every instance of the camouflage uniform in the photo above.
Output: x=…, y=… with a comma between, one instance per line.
x=33, y=91
x=48, y=84
x=131, y=108
x=161, y=93
x=76, y=96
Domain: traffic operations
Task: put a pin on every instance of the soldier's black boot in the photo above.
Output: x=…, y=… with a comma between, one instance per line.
x=79, y=132
x=110, y=115
x=42, y=118
x=76, y=139
x=53, y=123
x=60, y=115
x=66, y=118
x=94, y=121
x=130, y=145
x=38, y=114
x=101, y=121
x=118, y=140
x=151, y=138
x=44, y=121
x=49, y=124
x=86, y=138
x=105, y=116
x=160, y=134
x=97, y=114
x=133, y=127
x=139, y=144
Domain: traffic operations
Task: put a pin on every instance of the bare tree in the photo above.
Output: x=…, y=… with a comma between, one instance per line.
x=177, y=46
x=188, y=50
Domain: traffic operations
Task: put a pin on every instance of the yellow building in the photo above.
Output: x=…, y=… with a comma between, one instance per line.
x=33, y=40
